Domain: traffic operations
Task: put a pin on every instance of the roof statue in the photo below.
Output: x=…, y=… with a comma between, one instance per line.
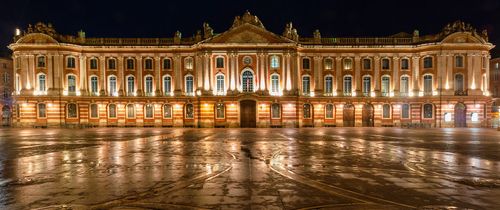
x=247, y=18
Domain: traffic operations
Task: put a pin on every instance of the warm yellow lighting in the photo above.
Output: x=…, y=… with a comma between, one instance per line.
x=198, y=92
x=410, y=94
x=311, y=94
x=435, y=93
x=421, y=93
x=18, y=31
x=372, y=94
x=450, y=105
x=335, y=93
x=354, y=93
x=391, y=94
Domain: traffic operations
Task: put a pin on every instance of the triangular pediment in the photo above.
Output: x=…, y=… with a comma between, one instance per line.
x=247, y=33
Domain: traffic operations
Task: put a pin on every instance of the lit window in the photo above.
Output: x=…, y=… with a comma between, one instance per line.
x=385, y=64
x=347, y=85
x=329, y=108
x=130, y=85
x=347, y=64
x=72, y=110
x=428, y=109
x=306, y=85
x=386, y=83
x=367, y=83
x=149, y=111
x=275, y=111
x=220, y=111
x=405, y=111
x=111, y=64
x=130, y=64
x=189, y=110
x=247, y=81
x=70, y=62
x=167, y=111
x=94, y=111
x=328, y=84
x=405, y=64
x=130, y=111
x=367, y=64
x=112, y=111
x=148, y=86
x=307, y=111
x=219, y=62
x=40, y=62
x=71, y=83
x=220, y=84
x=188, y=63
x=93, y=63
x=148, y=64
x=41, y=83
x=306, y=63
x=93, y=85
x=428, y=84
x=328, y=64
x=112, y=85
x=275, y=62
x=275, y=84
x=428, y=62
x=42, y=112
x=189, y=85
x=386, y=111
x=404, y=86
x=167, y=85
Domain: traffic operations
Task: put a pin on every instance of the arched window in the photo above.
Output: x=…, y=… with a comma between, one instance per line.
x=386, y=111
x=306, y=85
x=130, y=111
x=72, y=110
x=93, y=63
x=42, y=112
x=219, y=62
x=328, y=84
x=459, y=83
x=188, y=63
x=167, y=111
x=307, y=111
x=386, y=85
x=275, y=62
x=112, y=111
x=94, y=111
x=459, y=61
x=347, y=85
x=149, y=109
x=220, y=111
x=385, y=64
x=328, y=64
x=247, y=81
x=428, y=62
x=130, y=85
x=70, y=62
x=148, y=64
x=71, y=83
x=405, y=111
x=167, y=63
x=275, y=84
x=41, y=83
x=130, y=64
x=189, y=85
x=189, y=111
x=404, y=86
x=428, y=111
x=167, y=85
x=148, y=85
x=220, y=84
x=405, y=64
x=428, y=84
x=306, y=63
x=40, y=61
x=111, y=64
x=94, y=81
x=112, y=85
x=329, y=109
x=347, y=64
x=367, y=85
x=367, y=64
x=275, y=111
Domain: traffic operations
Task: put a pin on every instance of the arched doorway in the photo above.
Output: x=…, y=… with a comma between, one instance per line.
x=348, y=115
x=460, y=115
x=6, y=116
x=367, y=116
x=248, y=114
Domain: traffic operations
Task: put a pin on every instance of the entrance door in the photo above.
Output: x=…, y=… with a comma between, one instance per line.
x=460, y=115
x=5, y=116
x=367, y=119
x=248, y=114
x=348, y=115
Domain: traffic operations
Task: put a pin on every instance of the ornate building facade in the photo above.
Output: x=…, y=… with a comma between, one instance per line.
x=6, y=87
x=248, y=76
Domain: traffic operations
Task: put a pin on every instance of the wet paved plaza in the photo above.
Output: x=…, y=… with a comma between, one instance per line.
x=313, y=168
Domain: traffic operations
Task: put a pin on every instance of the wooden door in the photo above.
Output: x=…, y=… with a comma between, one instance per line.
x=248, y=114
x=460, y=116
x=367, y=117
x=348, y=115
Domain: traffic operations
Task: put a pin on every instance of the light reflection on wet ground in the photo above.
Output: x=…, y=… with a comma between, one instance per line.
x=170, y=168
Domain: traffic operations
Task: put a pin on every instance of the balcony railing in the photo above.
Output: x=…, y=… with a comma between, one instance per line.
x=461, y=93
x=347, y=94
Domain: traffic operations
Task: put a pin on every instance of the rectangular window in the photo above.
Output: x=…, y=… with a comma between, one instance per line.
x=306, y=85
x=41, y=62
x=112, y=86
x=41, y=82
x=111, y=64
x=189, y=85
x=71, y=84
x=130, y=111
x=148, y=64
x=167, y=111
x=93, y=64
x=219, y=63
x=347, y=86
x=404, y=86
x=70, y=62
x=405, y=64
x=275, y=84
x=347, y=64
x=307, y=111
x=428, y=85
x=385, y=86
x=329, y=111
x=93, y=85
x=220, y=111
x=386, y=111
x=42, y=112
x=166, y=63
x=428, y=109
x=167, y=82
x=459, y=61
x=275, y=111
x=385, y=64
x=149, y=86
x=149, y=111
x=220, y=84
x=428, y=62
x=130, y=86
x=405, y=111
x=367, y=64
x=94, y=111
x=72, y=111
x=328, y=64
x=367, y=86
x=130, y=64
x=306, y=63
x=328, y=84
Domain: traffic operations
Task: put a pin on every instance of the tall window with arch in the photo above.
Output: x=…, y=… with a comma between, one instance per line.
x=72, y=110
x=367, y=85
x=112, y=111
x=386, y=111
x=71, y=84
x=42, y=111
x=167, y=111
x=329, y=110
x=189, y=111
x=328, y=84
x=275, y=84
x=405, y=111
x=275, y=111
x=428, y=84
x=149, y=109
x=130, y=111
x=189, y=85
x=404, y=86
x=112, y=86
x=306, y=85
x=307, y=111
x=41, y=83
x=130, y=85
x=347, y=85
x=148, y=86
x=220, y=111
x=275, y=62
x=167, y=85
x=220, y=87
x=94, y=81
x=386, y=85
x=247, y=81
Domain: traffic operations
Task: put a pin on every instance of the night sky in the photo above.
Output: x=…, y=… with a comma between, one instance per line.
x=100, y=18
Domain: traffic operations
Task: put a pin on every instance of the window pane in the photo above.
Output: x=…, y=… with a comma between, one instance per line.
x=275, y=84
x=428, y=111
x=405, y=111
x=167, y=82
x=347, y=85
x=275, y=109
x=366, y=86
x=167, y=111
x=189, y=84
x=220, y=63
x=94, y=111
x=149, y=111
x=385, y=86
x=112, y=111
x=366, y=63
x=41, y=110
x=130, y=63
x=189, y=111
x=306, y=85
x=328, y=64
x=247, y=85
x=41, y=82
x=328, y=84
x=220, y=111
x=166, y=64
x=306, y=63
x=130, y=111
x=71, y=83
x=386, y=111
x=307, y=111
x=72, y=111
x=405, y=64
x=329, y=111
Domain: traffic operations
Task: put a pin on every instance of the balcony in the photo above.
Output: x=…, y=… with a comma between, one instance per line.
x=460, y=92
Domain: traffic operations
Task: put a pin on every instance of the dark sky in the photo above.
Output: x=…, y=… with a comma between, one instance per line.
x=143, y=18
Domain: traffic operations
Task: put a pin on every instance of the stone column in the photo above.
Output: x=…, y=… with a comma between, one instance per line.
x=50, y=73
x=232, y=70
x=476, y=69
x=179, y=80
x=288, y=80
x=357, y=75
x=318, y=76
x=83, y=75
x=120, y=76
x=416, y=75
x=140, y=78
x=487, y=69
x=265, y=63
x=102, y=79
x=376, y=77
x=262, y=81
x=199, y=71
x=395, y=75
x=441, y=73
x=158, y=88
x=448, y=63
x=338, y=76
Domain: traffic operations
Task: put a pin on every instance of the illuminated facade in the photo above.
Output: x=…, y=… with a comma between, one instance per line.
x=6, y=87
x=248, y=76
